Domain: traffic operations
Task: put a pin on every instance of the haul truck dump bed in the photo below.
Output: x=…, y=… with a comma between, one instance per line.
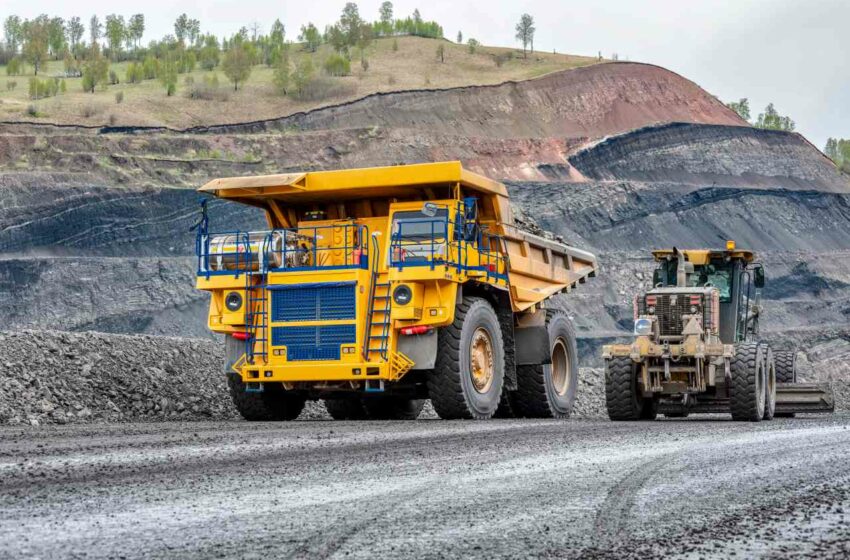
x=377, y=288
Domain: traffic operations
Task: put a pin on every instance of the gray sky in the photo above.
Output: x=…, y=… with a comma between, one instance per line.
x=795, y=53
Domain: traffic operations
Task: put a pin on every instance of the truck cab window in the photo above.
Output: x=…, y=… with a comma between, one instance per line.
x=415, y=226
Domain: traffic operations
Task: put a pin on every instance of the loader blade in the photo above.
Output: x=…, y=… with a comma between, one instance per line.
x=804, y=397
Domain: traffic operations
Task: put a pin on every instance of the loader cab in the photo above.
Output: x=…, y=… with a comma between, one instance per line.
x=733, y=273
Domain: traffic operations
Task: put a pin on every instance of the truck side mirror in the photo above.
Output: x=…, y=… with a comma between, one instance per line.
x=758, y=277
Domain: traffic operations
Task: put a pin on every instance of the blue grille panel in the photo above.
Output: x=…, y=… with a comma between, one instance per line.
x=320, y=342
x=313, y=303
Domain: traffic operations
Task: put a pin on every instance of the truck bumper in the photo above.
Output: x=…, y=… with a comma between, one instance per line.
x=318, y=372
x=643, y=347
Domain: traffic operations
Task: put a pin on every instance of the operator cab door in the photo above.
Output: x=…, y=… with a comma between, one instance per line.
x=419, y=233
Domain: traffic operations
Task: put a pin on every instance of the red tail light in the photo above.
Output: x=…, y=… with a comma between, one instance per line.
x=650, y=300
x=416, y=329
x=241, y=335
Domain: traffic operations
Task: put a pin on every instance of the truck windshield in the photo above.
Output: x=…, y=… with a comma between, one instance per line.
x=415, y=226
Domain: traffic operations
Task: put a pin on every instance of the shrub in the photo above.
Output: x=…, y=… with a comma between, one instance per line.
x=11, y=85
x=113, y=78
x=395, y=45
x=62, y=86
x=319, y=89
x=337, y=65
x=119, y=97
x=15, y=67
x=32, y=110
x=112, y=119
x=89, y=110
x=364, y=64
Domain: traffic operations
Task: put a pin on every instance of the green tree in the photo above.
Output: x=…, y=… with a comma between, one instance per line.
x=281, y=72
x=772, y=120
x=56, y=37
x=459, y=38
x=13, y=31
x=525, y=33
x=838, y=150
x=472, y=45
x=303, y=75
x=75, y=31
x=209, y=52
x=741, y=107
x=115, y=30
x=95, y=29
x=386, y=13
x=168, y=73
x=181, y=27
x=237, y=64
x=95, y=69
x=136, y=29
x=36, y=38
x=350, y=23
x=441, y=53
x=337, y=65
x=311, y=36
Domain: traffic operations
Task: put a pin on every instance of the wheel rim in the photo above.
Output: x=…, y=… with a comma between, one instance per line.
x=560, y=368
x=481, y=360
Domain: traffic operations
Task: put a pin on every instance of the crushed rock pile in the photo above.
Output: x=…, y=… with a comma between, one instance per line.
x=54, y=377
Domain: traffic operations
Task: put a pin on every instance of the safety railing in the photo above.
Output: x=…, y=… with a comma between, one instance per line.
x=442, y=241
x=235, y=253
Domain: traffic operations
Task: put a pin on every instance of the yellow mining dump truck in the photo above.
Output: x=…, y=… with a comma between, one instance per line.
x=375, y=289
x=697, y=348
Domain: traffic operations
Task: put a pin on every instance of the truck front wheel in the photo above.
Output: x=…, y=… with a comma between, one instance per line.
x=272, y=403
x=548, y=391
x=747, y=395
x=469, y=372
x=622, y=395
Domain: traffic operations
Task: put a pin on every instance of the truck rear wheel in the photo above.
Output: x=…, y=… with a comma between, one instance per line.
x=469, y=373
x=786, y=372
x=549, y=391
x=272, y=403
x=769, y=385
x=350, y=408
x=621, y=392
x=747, y=395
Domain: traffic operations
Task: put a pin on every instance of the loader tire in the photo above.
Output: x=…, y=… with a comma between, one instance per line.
x=769, y=385
x=621, y=392
x=786, y=372
x=747, y=395
x=346, y=409
x=549, y=391
x=392, y=408
x=786, y=367
x=274, y=403
x=457, y=387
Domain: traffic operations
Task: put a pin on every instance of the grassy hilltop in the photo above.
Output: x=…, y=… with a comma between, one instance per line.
x=394, y=63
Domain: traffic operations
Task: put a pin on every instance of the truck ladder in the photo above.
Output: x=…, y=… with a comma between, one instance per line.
x=256, y=314
x=379, y=322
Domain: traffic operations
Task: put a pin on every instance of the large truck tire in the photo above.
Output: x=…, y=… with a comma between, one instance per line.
x=747, y=395
x=273, y=403
x=392, y=408
x=621, y=392
x=786, y=372
x=346, y=408
x=549, y=391
x=469, y=372
x=769, y=385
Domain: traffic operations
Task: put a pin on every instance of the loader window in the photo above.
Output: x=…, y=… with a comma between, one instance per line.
x=416, y=226
x=719, y=278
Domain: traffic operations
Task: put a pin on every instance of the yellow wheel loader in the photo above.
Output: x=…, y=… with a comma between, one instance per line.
x=697, y=347
x=374, y=289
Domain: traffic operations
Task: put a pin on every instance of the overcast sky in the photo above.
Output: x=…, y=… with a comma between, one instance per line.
x=795, y=53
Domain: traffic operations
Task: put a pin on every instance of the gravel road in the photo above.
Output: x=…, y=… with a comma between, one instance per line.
x=695, y=488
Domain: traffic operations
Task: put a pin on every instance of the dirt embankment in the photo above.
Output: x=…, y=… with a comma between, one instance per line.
x=505, y=131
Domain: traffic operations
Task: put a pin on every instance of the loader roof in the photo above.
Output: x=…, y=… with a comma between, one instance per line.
x=704, y=256
x=347, y=184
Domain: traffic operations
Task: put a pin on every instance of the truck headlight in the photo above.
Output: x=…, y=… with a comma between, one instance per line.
x=233, y=301
x=402, y=295
x=643, y=327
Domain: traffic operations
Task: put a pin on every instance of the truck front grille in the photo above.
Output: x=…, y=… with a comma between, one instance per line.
x=328, y=301
x=315, y=342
